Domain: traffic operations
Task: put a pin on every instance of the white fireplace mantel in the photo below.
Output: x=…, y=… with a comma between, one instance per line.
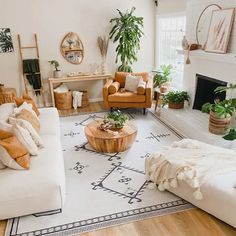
x=226, y=58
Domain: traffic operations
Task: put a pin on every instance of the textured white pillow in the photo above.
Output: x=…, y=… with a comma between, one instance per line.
x=26, y=106
x=26, y=125
x=8, y=160
x=131, y=82
x=62, y=89
x=6, y=110
x=24, y=137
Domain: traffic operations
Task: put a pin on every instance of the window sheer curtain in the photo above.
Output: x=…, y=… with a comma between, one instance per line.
x=170, y=30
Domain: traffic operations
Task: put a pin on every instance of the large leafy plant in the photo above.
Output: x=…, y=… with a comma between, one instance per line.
x=175, y=97
x=163, y=75
x=127, y=31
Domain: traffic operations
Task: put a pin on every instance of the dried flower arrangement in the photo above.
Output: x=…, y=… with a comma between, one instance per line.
x=103, y=43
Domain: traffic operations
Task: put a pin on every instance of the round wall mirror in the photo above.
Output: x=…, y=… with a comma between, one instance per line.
x=203, y=23
x=72, y=48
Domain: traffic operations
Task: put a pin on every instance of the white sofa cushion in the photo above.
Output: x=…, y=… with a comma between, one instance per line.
x=219, y=196
x=42, y=188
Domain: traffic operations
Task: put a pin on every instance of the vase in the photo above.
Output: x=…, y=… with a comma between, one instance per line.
x=185, y=44
x=57, y=74
x=104, y=67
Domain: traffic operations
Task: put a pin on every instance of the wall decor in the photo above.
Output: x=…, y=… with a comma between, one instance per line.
x=203, y=24
x=219, y=31
x=72, y=48
x=6, y=44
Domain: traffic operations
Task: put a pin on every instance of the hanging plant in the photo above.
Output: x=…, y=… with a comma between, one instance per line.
x=127, y=31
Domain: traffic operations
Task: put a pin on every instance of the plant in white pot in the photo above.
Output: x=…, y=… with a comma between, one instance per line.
x=56, y=72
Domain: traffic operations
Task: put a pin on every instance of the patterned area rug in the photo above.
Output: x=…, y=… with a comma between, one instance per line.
x=104, y=189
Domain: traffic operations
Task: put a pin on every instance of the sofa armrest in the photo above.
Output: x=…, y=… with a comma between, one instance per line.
x=149, y=92
x=105, y=91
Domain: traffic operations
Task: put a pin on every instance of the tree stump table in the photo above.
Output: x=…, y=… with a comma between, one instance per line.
x=105, y=142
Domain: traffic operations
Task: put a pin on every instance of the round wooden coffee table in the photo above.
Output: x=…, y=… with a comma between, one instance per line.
x=105, y=142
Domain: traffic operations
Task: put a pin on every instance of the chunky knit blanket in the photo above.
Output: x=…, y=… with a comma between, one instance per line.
x=190, y=161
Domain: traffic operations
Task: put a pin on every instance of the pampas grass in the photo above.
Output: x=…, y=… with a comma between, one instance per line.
x=103, y=43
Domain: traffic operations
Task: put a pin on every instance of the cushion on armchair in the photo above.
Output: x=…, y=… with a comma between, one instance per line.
x=131, y=83
x=141, y=87
x=114, y=87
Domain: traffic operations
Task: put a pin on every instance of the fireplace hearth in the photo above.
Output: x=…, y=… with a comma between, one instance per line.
x=205, y=87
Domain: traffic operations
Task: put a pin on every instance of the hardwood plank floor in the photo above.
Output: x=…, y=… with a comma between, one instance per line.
x=193, y=222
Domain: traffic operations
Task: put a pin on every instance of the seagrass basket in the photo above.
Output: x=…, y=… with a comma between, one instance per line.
x=85, y=101
x=63, y=101
x=7, y=95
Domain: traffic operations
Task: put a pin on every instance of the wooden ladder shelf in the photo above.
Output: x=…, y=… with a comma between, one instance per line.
x=36, y=48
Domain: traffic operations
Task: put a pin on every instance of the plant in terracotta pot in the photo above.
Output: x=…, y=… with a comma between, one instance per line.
x=175, y=99
x=114, y=120
x=221, y=111
x=56, y=72
x=162, y=78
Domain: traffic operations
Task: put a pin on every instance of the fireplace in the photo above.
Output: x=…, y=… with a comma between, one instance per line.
x=205, y=87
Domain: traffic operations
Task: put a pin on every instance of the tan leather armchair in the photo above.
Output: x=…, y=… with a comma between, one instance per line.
x=115, y=96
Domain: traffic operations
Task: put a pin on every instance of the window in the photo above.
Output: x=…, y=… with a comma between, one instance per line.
x=170, y=32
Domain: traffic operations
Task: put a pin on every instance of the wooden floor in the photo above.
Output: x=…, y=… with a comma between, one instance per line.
x=193, y=222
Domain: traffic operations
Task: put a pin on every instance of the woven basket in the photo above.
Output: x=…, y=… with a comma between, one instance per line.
x=63, y=101
x=85, y=101
x=7, y=95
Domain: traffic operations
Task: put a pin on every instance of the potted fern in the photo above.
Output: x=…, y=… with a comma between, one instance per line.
x=175, y=99
x=56, y=72
x=127, y=31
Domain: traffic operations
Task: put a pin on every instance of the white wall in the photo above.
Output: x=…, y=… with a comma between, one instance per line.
x=51, y=20
x=218, y=70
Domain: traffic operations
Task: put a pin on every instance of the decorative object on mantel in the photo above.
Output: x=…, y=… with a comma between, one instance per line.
x=103, y=43
x=185, y=44
x=175, y=99
x=56, y=72
x=191, y=47
x=203, y=24
x=127, y=31
x=221, y=111
x=6, y=44
x=72, y=48
x=219, y=31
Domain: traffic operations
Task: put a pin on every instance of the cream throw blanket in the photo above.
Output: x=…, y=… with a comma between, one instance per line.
x=77, y=99
x=191, y=161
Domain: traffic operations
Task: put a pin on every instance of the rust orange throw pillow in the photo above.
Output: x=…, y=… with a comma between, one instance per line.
x=28, y=99
x=13, y=154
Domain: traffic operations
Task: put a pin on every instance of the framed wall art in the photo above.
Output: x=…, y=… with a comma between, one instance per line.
x=219, y=30
x=6, y=44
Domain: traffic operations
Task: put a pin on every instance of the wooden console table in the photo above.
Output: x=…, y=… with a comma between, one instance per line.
x=80, y=78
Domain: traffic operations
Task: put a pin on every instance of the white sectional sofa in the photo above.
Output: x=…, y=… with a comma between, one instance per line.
x=42, y=187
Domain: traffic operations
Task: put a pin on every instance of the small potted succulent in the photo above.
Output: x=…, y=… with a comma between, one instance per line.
x=56, y=72
x=114, y=120
x=162, y=78
x=175, y=99
x=221, y=112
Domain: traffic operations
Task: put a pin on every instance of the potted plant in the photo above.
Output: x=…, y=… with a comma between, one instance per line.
x=127, y=31
x=162, y=78
x=114, y=120
x=56, y=72
x=221, y=111
x=175, y=99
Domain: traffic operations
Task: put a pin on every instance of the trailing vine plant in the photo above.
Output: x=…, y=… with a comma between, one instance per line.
x=127, y=31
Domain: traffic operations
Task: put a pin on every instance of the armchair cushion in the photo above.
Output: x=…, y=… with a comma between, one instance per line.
x=131, y=83
x=141, y=87
x=114, y=87
x=121, y=77
x=126, y=96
